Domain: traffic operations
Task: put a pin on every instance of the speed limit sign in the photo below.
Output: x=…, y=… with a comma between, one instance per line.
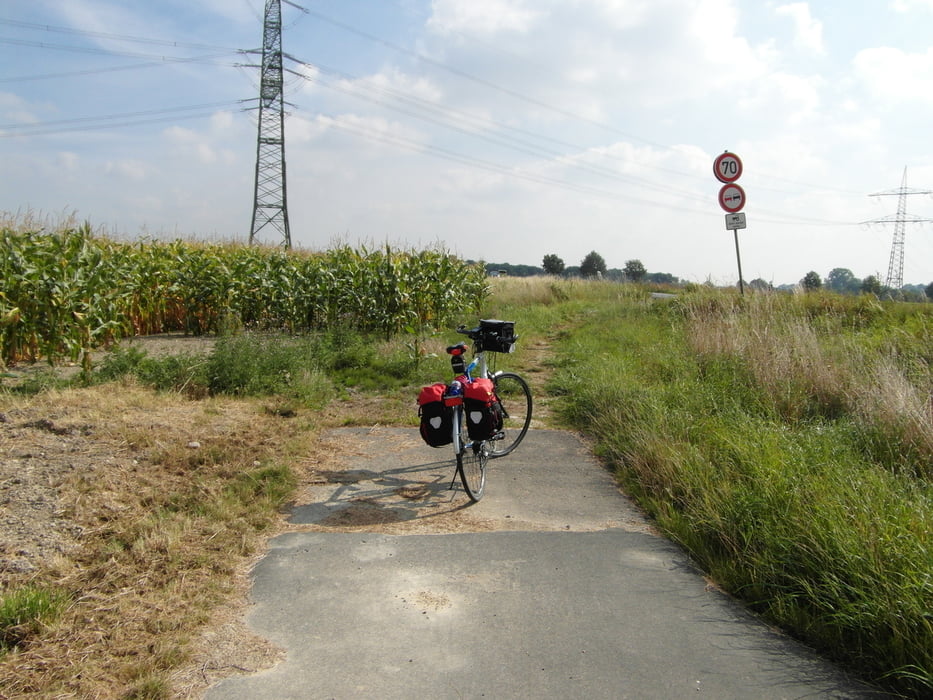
x=727, y=167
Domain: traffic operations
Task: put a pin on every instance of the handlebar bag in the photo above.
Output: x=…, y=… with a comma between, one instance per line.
x=436, y=418
x=483, y=413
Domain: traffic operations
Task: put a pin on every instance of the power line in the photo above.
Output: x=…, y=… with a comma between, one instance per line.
x=476, y=79
x=454, y=120
x=531, y=100
x=78, y=73
x=482, y=164
x=116, y=37
x=110, y=52
x=107, y=121
x=469, y=125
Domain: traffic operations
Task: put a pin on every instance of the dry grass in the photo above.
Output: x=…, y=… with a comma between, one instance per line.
x=805, y=370
x=170, y=500
x=784, y=355
x=886, y=400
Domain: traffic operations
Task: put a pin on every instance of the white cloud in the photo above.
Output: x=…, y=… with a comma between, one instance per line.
x=395, y=81
x=68, y=160
x=373, y=134
x=809, y=30
x=891, y=74
x=16, y=110
x=482, y=17
x=795, y=98
x=132, y=169
x=595, y=58
x=180, y=134
x=206, y=154
x=908, y=5
x=221, y=121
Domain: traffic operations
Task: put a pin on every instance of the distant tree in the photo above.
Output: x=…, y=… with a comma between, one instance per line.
x=496, y=269
x=871, y=285
x=760, y=285
x=593, y=265
x=614, y=274
x=811, y=281
x=841, y=279
x=552, y=264
x=661, y=278
x=634, y=270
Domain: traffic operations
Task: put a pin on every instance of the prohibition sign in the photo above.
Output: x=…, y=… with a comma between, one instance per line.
x=732, y=198
x=727, y=167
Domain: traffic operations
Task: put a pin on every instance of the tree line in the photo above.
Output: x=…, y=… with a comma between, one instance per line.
x=593, y=266
x=842, y=281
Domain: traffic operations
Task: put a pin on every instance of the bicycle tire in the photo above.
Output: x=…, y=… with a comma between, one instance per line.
x=471, y=463
x=514, y=398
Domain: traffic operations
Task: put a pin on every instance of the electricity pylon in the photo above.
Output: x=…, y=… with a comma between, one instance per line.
x=895, y=278
x=270, y=206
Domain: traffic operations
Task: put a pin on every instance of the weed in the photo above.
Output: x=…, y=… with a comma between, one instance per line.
x=26, y=611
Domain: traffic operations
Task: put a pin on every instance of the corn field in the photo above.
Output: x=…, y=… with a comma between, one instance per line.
x=66, y=293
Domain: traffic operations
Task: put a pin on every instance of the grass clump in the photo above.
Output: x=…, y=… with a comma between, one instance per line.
x=26, y=611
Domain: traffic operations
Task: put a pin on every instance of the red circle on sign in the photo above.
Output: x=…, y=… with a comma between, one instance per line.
x=727, y=167
x=732, y=198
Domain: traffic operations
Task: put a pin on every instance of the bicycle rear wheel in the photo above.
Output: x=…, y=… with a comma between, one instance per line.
x=471, y=463
x=514, y=398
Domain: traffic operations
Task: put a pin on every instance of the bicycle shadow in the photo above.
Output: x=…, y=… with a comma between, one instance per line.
x=365, y=497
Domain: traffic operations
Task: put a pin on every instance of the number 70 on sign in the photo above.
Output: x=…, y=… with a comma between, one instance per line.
x=727, y=167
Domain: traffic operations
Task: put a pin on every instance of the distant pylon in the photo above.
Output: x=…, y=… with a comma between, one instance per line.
x=895, y=278
x=270, y=208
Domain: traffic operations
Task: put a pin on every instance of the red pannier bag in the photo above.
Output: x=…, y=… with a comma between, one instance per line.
x=483, y=413
x=436, y=418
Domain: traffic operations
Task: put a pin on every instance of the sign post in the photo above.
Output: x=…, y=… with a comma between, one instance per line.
x=728, y=168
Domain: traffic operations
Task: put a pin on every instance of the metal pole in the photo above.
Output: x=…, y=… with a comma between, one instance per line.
x=739, y=259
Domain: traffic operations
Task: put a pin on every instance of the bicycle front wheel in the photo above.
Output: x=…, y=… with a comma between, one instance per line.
x=514, y=398
x=471, y=463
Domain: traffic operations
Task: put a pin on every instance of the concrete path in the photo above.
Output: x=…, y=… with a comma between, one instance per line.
x=553, y=586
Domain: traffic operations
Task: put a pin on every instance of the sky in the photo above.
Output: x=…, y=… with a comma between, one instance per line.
x=498, y=130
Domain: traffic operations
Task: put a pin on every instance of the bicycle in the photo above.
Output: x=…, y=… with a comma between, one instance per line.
x=482, y=430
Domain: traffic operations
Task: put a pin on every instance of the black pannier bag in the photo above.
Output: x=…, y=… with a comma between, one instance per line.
x=436, y=418
x=483, y=414
x=497, y=336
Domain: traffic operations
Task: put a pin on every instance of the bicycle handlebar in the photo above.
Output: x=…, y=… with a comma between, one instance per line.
x=471, y=333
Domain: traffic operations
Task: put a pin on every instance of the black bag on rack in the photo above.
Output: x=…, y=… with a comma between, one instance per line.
x=483, y=413
x=436, y=418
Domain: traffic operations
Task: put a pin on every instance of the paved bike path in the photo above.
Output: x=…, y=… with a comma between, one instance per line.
x=557, y=589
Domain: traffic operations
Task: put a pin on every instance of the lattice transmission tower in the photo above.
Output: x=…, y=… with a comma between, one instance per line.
x=270, y=207
x=895, y=278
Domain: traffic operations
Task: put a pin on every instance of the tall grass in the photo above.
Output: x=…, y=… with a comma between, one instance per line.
x=787, y=449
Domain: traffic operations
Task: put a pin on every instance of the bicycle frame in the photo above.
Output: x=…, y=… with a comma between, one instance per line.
x=456, y=402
